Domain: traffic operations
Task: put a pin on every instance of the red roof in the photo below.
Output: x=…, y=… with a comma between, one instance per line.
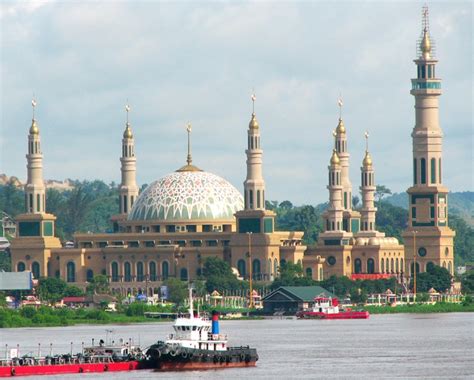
x=74, y=299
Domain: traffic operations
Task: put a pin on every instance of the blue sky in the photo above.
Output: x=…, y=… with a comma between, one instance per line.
x=198, y=62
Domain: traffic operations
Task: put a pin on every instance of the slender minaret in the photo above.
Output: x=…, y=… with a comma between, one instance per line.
x=428, y=198
x=340, y=145
x=334, y=213
x=367, y=190
x=254, y=185
x=35, y=199
x=128, y=187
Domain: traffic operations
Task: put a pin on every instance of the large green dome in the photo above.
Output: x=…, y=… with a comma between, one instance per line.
x=188, y=195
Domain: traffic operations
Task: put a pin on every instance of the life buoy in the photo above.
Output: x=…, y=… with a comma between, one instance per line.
x=242, y=357
x=184, y=355
x=172, y=353
x=106, y=368
x=13, y=372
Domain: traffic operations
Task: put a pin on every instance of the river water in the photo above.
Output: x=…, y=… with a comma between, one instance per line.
x=401, y=346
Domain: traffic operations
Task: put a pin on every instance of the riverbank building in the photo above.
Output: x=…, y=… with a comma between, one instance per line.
x=188, y=215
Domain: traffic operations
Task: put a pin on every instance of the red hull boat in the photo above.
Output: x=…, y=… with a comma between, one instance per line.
x=328, y=308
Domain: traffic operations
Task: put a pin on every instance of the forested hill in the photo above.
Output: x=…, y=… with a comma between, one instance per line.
x=460, y=204
x=88, y=206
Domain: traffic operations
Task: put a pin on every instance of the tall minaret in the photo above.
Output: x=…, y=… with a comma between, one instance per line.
x=334, y=213
x=367, y=190
x=428, y=198
x=35, y=199
x=340, y=145
x=254, y=185
x=128, y=189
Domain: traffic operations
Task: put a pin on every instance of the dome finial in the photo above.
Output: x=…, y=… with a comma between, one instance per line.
x=425, y=44
x=367, y=159
x=189, y=159
x=34, y=130
x=127, y=134
x=253, y=121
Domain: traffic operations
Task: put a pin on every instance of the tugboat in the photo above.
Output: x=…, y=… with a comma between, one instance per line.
x=96, y=358
x=328, y=308
x=196, y=345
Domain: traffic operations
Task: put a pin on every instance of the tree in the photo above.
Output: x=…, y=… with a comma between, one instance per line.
x=51, y=289
x=291, y=275
x=286, y=205
x=467, y=282
x=219, y=276
x=98, y=285
x=177, y=290
x=381, y=191
x=12, y=199
x=73, y=291
x=355, y=201
x=435, y=277
x=75, y=209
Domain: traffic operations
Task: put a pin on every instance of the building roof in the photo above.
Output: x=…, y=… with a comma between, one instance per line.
x=299, y=293
x=188, y=195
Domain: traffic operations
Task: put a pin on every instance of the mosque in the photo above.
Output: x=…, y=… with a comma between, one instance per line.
x=188, y=215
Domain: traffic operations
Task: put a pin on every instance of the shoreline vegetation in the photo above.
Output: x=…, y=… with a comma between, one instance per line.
x=50, y=317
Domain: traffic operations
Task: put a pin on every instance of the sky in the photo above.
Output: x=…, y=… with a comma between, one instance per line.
x=199, y=62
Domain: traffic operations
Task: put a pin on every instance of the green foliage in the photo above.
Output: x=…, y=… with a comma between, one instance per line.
x=5, y=261
x=218, y=275
x=439, y=307
x=463, y=241
x=291, y=275
x=467, y=301
x=467, y=282
x=73, y=291
x=12, y=199
x=177, y=290
x=51, y=289
x=381, y=191
x=98, y=285
x=391, y=219
x=435, y=277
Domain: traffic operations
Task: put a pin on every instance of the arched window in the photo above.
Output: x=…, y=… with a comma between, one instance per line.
x=127, y=271
x=417, y=268
x=357, y=266
x=415, y=171
x=382, y=265
x=423, y=170
x=115, y=271
x=275, y=267
x=392, y=266
x=402, y=266
x=71, y=272
x=429, y=266
x=433, y=170
x=370, y=266
x=256, y=268
x=140, y=274
x=89, y=275
x=152, y=270
x=309, y=273
x=241, y=267
x=444, y=264
x=449, y=267
x=258, y=199
x=35, y=269
x=397, y=268
x=165, y=270
x=184, y=274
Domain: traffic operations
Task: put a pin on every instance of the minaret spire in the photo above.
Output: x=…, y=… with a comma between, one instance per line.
x=254, y=185
x=35, y=199
x=189, y=159
x=428, y=197
x=367, y=190
x=128, y=188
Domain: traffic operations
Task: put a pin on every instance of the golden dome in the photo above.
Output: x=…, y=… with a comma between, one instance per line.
x=425, y=45
x=367, y=160
x=340, y=127
x=253, y=122
x=335, y=158
x=127, y=134
x=34, y=130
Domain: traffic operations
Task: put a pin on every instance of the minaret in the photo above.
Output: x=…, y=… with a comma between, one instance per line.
x=340, y=145
x=334, y=213
x=35, y=199
x=367, y=190
x=128, y=189
x=428, y=198
x=254, y=185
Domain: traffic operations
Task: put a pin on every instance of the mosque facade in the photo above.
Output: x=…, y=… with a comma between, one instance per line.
x=178, y=221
